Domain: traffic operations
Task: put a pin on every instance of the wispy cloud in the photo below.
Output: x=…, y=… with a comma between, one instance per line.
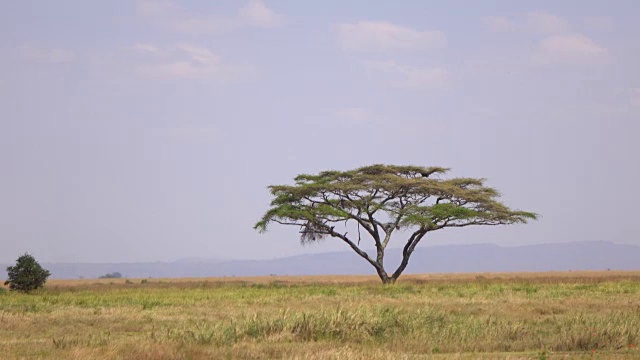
x=558, y=44
x=539, y=22
x=380, y=36
x=498, y=23
x=546, y=23
x=256, y=13
x=46, y=55
x=186, y=61
x=575, y=49
x=145, y=48
x=168, y=14
x=408, y=76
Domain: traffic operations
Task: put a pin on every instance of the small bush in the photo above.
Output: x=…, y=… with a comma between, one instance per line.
x=26, y=275
x=113, y=275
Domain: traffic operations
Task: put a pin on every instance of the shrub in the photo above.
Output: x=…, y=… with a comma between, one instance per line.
x=26, y=275
x=113, y=275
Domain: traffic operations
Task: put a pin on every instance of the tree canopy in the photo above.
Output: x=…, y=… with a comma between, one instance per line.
x=379, y=200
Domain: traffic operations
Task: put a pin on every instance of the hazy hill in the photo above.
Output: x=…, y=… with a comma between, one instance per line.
x=436, y=259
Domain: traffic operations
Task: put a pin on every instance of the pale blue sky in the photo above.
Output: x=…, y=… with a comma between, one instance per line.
x=148, y=130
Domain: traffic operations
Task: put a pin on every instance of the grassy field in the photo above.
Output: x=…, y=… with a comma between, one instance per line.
x=591, y=315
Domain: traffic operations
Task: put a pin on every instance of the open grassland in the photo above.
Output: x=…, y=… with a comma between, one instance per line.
x=507, y=316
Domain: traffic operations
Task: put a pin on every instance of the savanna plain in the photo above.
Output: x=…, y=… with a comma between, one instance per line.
x=449, y=316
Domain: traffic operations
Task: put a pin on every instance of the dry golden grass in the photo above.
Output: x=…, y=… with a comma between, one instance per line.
x=458, y=316
x=547, y=277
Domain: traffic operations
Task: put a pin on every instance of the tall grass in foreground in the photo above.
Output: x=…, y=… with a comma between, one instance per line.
x=423, y=330
x=473, y=317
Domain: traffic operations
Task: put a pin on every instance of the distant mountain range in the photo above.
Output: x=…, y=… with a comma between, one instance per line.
x=599, y=255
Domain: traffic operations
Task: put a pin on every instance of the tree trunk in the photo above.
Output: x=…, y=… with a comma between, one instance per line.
x=403, y=265
x=386, y=279
x=406, y=254
x=389, y=281
x=400, y=269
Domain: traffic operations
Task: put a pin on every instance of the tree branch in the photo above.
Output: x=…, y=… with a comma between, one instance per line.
x=394, y=225
x=286, y=223
x=408, y=250
x=351, y=216
x=355, y=248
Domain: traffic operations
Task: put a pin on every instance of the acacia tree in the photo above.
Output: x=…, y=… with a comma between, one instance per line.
x=380, y=200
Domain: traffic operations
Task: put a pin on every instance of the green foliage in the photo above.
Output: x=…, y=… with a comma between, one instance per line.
x=381, y=199
x=26, y=275
x=390, y=192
